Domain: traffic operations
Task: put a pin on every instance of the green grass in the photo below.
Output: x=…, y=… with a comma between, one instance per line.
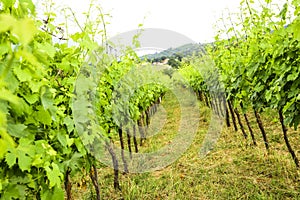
x=234, y=169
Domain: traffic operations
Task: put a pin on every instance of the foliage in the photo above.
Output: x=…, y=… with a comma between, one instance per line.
x=46, y=89
x=259, y=63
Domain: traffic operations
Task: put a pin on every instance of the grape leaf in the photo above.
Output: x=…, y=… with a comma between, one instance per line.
x=6, y=142
x=25, y=30
x=69, y=123
x=46, y=48
x=24, y=161
x=6, y=22
x=53, y=175
x=43, y=116
x=17, y=130
x=11, y=159
x=22, y=74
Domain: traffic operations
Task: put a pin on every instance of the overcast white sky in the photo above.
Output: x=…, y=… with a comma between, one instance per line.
x=193, y=18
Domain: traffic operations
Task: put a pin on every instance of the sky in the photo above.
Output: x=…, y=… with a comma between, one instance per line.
x=196, y=19
x=192, y=18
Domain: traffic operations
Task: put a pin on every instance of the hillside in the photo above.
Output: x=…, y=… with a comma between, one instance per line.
x=182, y=51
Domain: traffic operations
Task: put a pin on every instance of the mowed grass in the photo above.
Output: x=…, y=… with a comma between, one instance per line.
x=233, y=169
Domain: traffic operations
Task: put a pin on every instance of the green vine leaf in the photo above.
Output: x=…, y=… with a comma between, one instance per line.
x=11, y=159
x=17, y=130
x=54, y=175
x=25, y=30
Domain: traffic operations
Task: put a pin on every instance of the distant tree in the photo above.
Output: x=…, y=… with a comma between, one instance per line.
x=178, y=56
x=174, y=63
x=163, y=58
x=156, y=60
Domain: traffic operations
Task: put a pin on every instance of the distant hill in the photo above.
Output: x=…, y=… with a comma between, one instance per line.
x=181, y=51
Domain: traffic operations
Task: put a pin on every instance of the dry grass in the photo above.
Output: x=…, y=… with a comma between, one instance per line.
x=233, y=169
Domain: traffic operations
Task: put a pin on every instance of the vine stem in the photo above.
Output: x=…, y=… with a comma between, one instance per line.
x=232, y=115
x=261, y=127
x=249, y=126
x=115, y=165
x=240, y=123
x=286, y=139
x=122, y=149
x=134, y=139
x=94, y=178
x=68, y=185
x=141, y=129
x=129, y=142
x=226, y=111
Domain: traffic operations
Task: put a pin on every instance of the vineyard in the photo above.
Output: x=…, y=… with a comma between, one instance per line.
x=78, y=123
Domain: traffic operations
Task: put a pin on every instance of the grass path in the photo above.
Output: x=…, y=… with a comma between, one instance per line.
x=234, y=169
